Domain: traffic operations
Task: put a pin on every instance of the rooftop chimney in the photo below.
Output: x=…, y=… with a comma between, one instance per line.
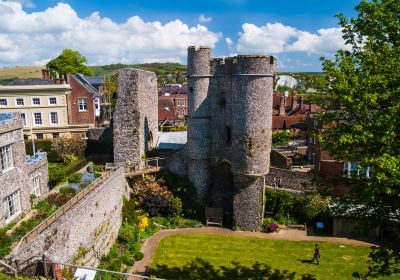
x=293, y=105
x=282, y=109
x=45, y=74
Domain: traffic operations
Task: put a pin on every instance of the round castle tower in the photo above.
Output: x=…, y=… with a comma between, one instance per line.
x=198, y=139
x=252, y=93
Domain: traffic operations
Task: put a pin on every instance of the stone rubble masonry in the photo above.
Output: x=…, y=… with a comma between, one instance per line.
x=289, y=179
x=86, y=231
x=230, y=120
x=19, y=177
x=136, y=115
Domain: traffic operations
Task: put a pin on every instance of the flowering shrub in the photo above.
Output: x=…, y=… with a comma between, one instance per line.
x=143, y=222
x=272, y=227
x=155, y=198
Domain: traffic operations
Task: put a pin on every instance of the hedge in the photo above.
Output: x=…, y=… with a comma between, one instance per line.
x=43, y=145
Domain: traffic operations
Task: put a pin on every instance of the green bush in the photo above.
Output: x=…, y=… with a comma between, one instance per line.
x=139, y=256
x=43, y=145
x=75, y=178
x=75, y=165
x=281, y=138
x=5, y=244
x=7, y=277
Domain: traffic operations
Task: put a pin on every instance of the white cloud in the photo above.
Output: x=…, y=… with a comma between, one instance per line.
x=33, y=38
x=25, y=3
x=203, y=18
x=274, y=38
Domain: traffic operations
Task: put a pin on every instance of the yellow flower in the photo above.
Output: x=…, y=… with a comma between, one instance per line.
x=143, y=222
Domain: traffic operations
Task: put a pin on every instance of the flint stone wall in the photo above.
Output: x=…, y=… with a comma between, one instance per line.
x=86, y=231
x=136, y=115
x=288, y=179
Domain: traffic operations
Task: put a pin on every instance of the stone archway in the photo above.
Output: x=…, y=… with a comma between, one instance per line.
x=222, y=188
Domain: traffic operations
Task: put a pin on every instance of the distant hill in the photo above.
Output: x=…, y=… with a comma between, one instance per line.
x=9, y=74
x=166, y=72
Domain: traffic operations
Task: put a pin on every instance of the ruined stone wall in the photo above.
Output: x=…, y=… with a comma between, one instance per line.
x=288, y=179
x=14, y=179
x=136, y=115
x=39, y=168
x=279, y=160
x=84, y=232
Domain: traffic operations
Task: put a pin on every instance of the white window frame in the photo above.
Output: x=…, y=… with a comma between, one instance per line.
x=55, y=97
x=2, y=105
x=16, y=101
x=23, y=118
x=178, y=102
x=83, y=104
x=33, y=103
x=57, y=133
x=6, y=158
x=34, y=119
x=15, y=201
x=36, y=134
x=36, y=185
x=51, y=120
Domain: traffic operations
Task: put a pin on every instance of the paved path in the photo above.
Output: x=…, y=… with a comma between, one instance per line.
x=150, y=245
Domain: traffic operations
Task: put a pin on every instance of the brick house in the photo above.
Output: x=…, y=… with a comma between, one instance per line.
x=20, y=176
x=85, y=101
x=288, y=111
x=174, y=97
x=167, y=120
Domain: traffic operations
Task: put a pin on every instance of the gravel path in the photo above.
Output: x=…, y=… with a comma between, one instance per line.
x=150, y=245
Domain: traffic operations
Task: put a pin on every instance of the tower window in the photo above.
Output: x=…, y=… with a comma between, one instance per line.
x=228, y=131
x=222, y=100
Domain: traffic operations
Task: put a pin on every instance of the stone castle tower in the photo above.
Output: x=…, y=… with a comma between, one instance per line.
x=229, y=131
x=135, y=126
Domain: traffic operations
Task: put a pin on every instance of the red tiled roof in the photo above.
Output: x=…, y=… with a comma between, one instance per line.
x=164, y=114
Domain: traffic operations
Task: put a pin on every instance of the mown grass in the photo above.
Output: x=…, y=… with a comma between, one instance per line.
x=183, y=256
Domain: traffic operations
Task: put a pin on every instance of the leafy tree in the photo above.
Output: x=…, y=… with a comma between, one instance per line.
x=69, y=62
x=361, y=95
x=281, y=138
x=69, y=149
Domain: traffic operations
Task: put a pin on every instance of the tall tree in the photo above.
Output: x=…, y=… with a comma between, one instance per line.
x=69, y=62
x=361, y=95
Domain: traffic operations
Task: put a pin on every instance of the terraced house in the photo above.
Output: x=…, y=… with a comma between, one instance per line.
x=21, y=176
x=43, y=107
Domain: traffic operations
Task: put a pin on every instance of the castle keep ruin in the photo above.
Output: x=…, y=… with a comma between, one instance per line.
x=229, y=131
x=136, y=115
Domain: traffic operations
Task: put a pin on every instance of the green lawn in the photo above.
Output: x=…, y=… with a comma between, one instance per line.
x=253, y=258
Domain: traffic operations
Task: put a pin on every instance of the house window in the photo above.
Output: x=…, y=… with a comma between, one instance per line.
x=353, y=168
x=3, y=102
x=39, y=135
x=53, y=118
x=82, y=102
x=36, y=101
x=56, y=135
x=6, y=160
x=53, y=100
x=11, y=205
x=38, y=118
x=36, y=186
x=23, y=117
x=178, y=102
x=19, y=101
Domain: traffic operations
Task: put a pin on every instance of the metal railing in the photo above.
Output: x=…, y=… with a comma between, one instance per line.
x=60, y=269
x=62, y=210
x=5, y=268
x=150, y=164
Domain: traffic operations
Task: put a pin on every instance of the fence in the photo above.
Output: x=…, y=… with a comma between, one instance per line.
x=60, y=212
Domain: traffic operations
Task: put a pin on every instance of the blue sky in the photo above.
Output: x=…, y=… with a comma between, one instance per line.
x=297, y=32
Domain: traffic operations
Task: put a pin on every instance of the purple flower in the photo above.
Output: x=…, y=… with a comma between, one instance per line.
x=272, y=227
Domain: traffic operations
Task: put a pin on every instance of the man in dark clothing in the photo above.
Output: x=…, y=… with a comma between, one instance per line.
x=316, y=254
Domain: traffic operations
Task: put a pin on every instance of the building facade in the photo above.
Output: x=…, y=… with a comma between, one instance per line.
x=43, y=109
x=20, y=176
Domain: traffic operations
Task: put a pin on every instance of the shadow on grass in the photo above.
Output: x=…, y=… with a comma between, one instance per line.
x=202, y=269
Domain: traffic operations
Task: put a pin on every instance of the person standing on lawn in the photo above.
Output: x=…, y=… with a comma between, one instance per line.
x=317, y=254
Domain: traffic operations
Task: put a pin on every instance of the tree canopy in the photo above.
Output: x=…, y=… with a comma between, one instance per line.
x=361, y=95
x=69, y=62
